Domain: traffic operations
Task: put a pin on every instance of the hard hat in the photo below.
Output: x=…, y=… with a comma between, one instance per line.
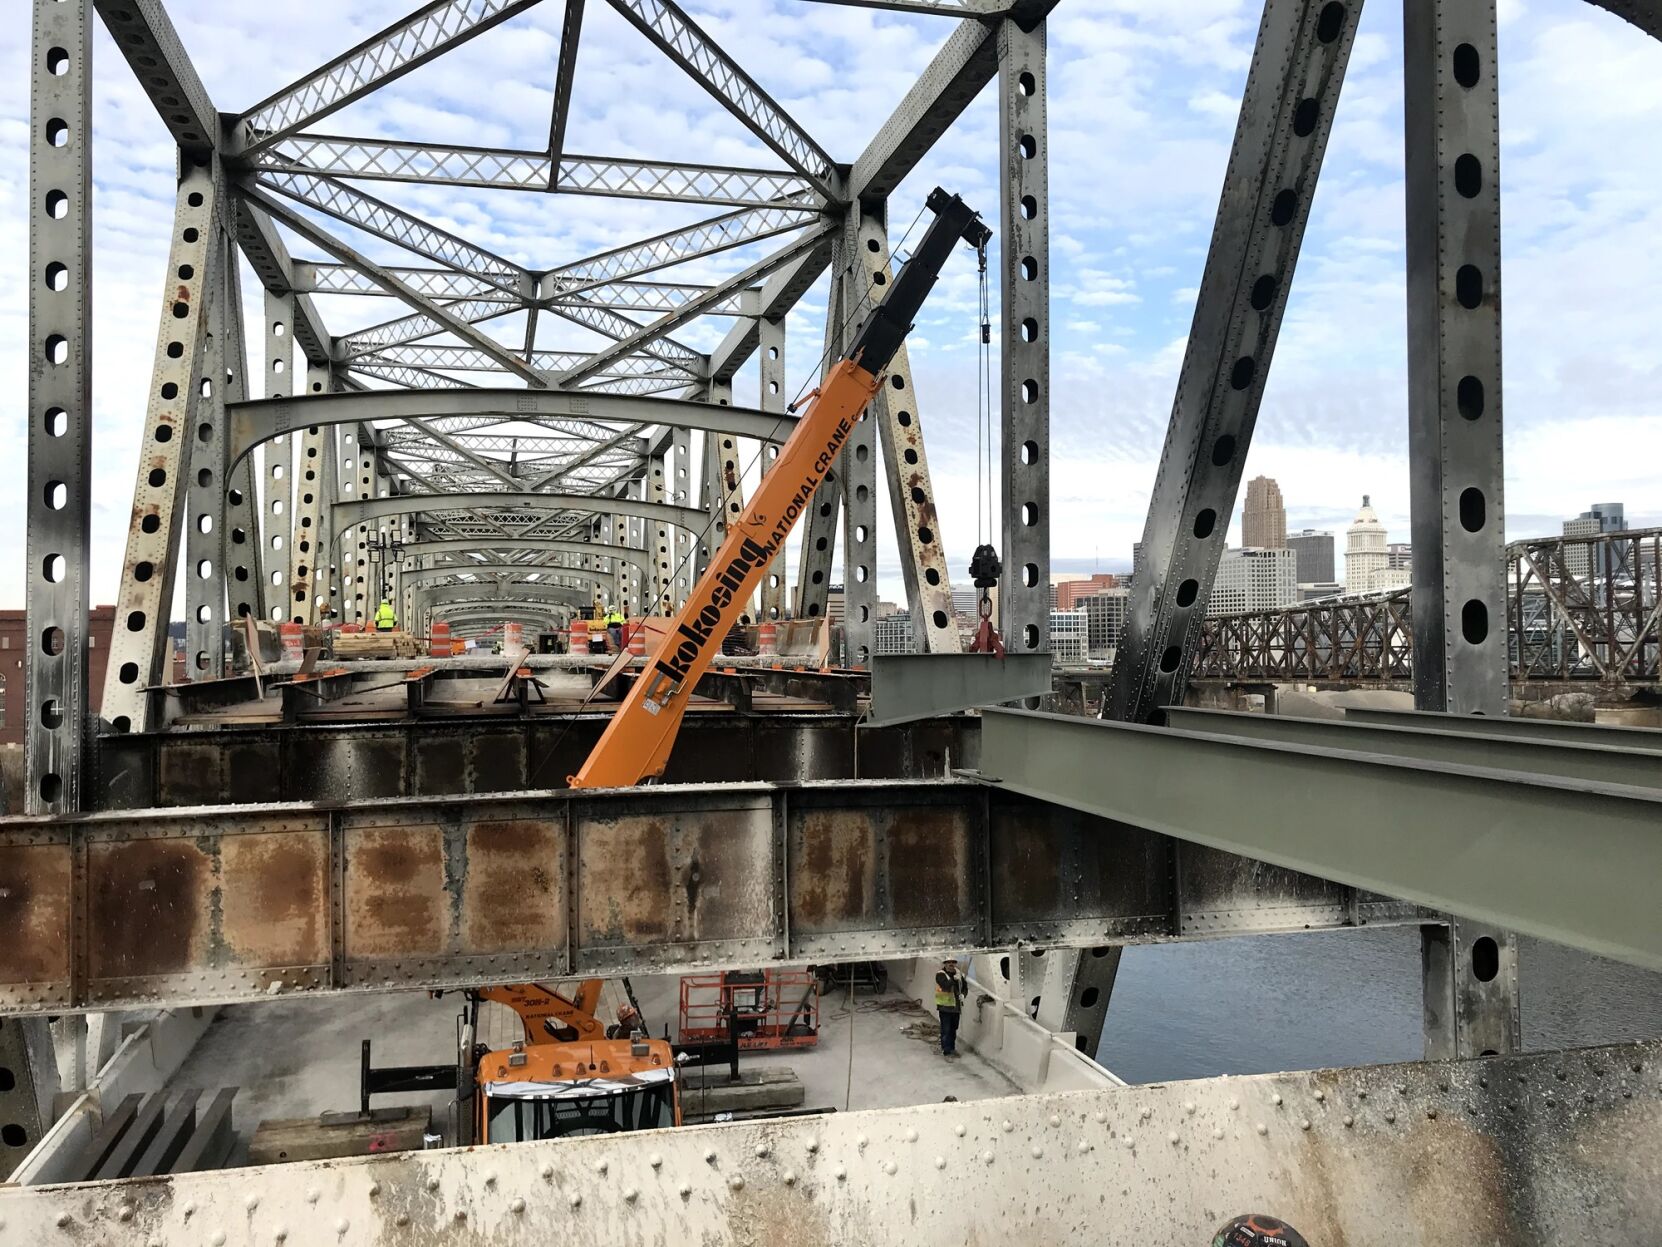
x=1257, y=1229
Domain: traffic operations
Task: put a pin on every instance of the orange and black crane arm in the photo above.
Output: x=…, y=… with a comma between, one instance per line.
x=537, y=1006
x=637, y=742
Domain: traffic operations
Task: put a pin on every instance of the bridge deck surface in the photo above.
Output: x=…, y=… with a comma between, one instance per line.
x=299, y=1058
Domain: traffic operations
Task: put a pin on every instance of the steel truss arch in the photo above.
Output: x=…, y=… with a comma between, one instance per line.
x=260, y=420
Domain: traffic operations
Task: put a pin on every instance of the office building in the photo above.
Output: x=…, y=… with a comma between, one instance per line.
x=1602, y=517
x=1071, y=593
x=1264, y=518
x=1105, y=614
x=1367, y=555
x=1315, y=555
x=892, y=634
x=1070, y=633
x=1254, y=580
x=1399, y=556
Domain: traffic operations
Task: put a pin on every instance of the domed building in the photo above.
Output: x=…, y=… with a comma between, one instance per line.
x=1367, y=558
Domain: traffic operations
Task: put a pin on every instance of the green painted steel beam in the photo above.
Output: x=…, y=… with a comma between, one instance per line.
x=919, y=686
x=1441, y=741
x=1571, y=861
x=1647, y=739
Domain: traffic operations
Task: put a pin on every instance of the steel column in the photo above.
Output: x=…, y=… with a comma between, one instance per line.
x=859, y=465
x=1024, y=423
x=205, y=490
x=1292, y=90
x=918, y=537
x=1461, y=656
x=680, y=495
x=813, y=577
x=241, y=556
x=139, y=644
x=772, y=398
x=277, y=478
x=58, y=513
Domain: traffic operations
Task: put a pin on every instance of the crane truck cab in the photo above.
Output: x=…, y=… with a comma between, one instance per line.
x=555, y=1090
x=571, y=1075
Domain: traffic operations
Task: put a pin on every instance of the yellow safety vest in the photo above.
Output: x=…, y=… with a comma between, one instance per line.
x=946, y=998
x=384, y=616
x=614, y=620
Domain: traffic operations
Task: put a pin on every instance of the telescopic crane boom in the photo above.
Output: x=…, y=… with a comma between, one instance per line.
x=637, y=742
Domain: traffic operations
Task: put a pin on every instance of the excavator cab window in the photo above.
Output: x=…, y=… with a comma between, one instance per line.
x=525, y=1111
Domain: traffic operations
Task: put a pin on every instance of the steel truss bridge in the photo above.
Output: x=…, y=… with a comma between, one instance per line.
x=512, y=433
x=1583, y=609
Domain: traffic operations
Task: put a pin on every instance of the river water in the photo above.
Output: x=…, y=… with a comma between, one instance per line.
x=1286, y=1002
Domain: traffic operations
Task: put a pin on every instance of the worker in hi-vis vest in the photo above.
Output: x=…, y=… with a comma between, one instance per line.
x=614, y=628
x=950, y=986
x=385, y=620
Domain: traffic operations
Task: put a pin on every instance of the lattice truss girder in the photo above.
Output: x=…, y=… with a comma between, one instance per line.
x=278, y=179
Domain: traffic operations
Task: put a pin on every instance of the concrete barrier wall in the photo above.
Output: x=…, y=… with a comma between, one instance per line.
x=999, y=1031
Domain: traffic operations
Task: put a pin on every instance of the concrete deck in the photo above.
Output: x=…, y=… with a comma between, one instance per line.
x=295, y=1058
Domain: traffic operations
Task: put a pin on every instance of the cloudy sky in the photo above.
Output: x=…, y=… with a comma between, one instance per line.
x=1142, y=108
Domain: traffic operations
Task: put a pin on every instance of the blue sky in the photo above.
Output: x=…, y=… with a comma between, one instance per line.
x=1142, y=107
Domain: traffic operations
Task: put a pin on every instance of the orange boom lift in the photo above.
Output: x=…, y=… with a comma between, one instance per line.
x=637, y=742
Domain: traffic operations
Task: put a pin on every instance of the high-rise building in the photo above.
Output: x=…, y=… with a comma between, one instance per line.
x=892, y=634
x=1315, y=555
x=836, y=606
x=1254, y=580
x=1070, y=634
x=1138, y=562
x=1602, y=517
x=1399, y=556
x=1070, y=593
x=1105, y=620
x=1364, y=550
x=1264, y=518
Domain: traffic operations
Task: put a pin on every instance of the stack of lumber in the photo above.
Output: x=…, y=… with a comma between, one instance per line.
x=395, y=644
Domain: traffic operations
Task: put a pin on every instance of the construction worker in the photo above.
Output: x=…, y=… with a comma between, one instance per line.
x=1257, y=1230
x=950, y=986
x=614, y=628
x=385, y=619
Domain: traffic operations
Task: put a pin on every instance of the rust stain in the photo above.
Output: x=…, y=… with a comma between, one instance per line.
x=275, y=898
x=727, y=882
x=623, y=881
x=34, y=913
x=1026, y=855
x=149, y=903
x=513, y=898
x=929, y=867
x=833, y=876
x=395, y=897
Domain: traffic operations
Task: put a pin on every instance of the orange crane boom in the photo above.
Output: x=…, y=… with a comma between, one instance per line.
x=637, y=742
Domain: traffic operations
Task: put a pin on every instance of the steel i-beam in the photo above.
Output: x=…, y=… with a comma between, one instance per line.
x=58, y=513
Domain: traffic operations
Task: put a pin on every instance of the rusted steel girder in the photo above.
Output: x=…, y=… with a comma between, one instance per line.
x=234, y=903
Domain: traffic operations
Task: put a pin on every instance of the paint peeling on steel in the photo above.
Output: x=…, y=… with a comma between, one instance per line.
x=1524, y=1150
